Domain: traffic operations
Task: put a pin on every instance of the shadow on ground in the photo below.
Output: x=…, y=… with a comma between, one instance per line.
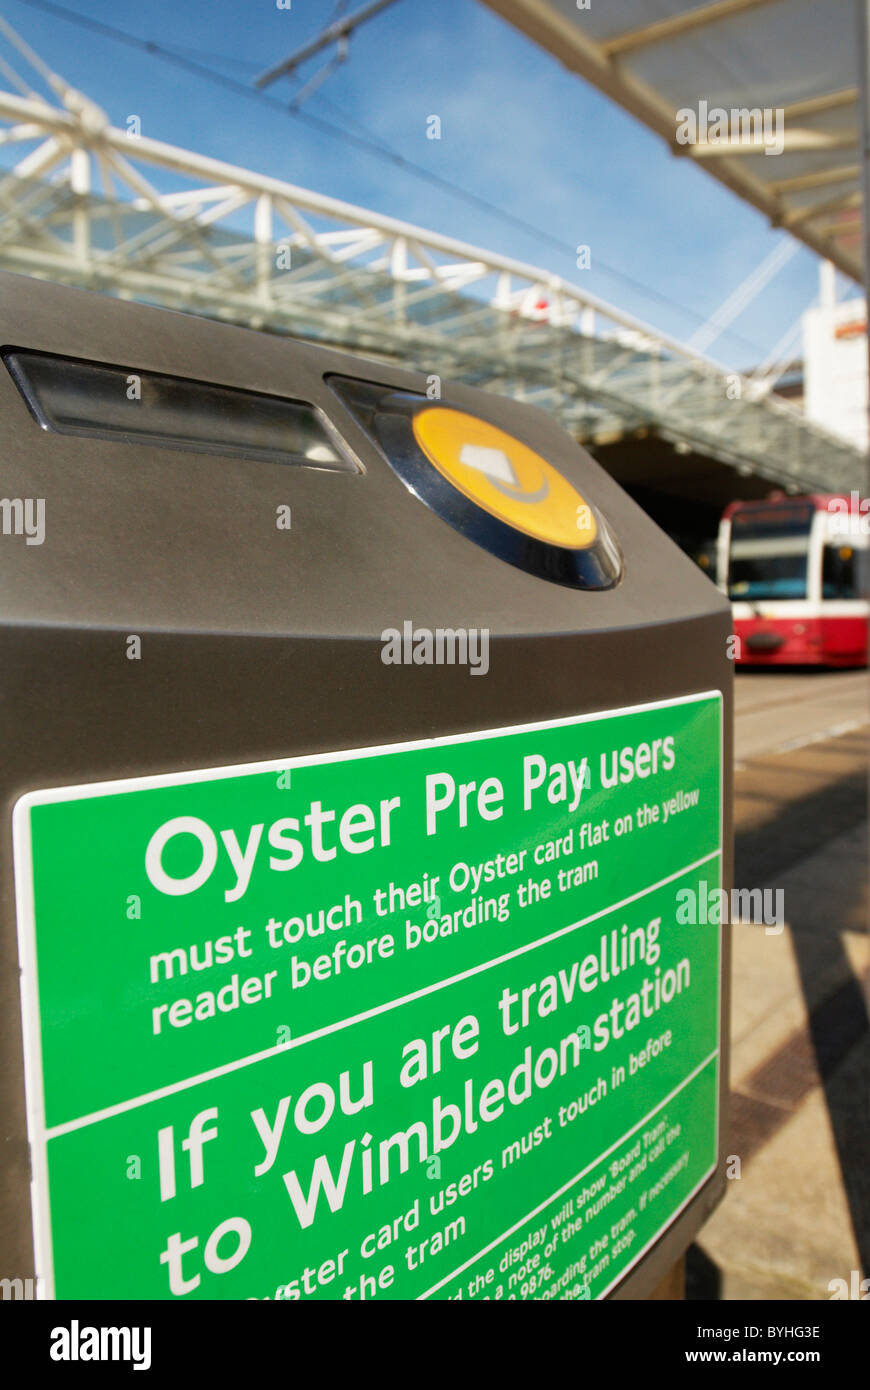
x=787, y=811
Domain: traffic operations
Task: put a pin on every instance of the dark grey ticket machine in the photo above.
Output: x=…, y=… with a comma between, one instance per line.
x=366, y=821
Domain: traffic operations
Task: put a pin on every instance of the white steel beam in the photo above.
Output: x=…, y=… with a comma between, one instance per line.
x=359, y=279
x=674, y=26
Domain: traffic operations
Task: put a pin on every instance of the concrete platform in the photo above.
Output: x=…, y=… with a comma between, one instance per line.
x=799, y=1214
x=777, y=710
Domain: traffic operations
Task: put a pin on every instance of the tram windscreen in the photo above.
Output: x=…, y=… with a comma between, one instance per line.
x=769, y=554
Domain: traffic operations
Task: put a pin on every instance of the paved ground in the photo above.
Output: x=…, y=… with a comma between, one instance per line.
x=781, y=709
x=799, y=1215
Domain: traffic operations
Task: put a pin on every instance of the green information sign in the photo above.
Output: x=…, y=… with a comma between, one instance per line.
x=433, y=1020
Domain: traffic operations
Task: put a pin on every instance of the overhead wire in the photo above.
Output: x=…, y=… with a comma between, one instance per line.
x=177, y=55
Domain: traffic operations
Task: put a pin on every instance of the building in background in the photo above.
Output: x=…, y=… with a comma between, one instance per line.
x=835, y=362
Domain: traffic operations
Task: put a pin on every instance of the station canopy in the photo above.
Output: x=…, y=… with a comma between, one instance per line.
x=797, y=60
x=84, y=203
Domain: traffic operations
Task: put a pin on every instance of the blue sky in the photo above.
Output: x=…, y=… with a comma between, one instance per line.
x=667, y=242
